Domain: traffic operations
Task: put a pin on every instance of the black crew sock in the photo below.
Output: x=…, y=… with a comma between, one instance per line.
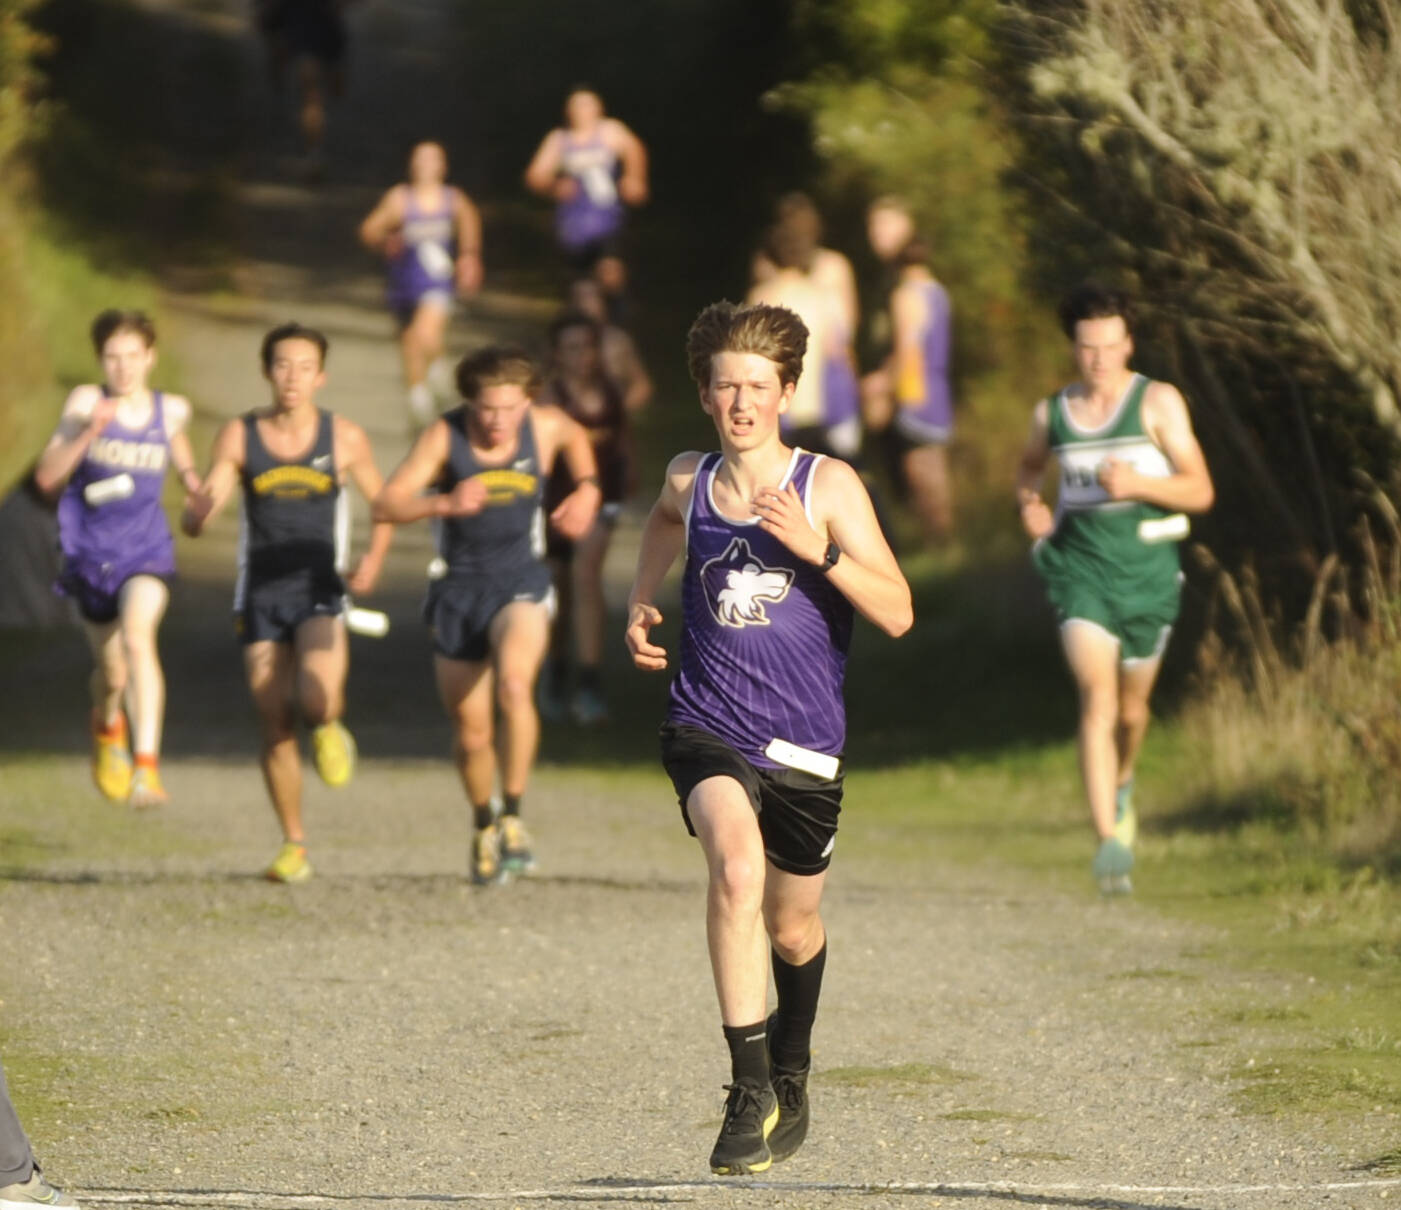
x=798, y=989
x=590, y=678
x=483, y=817
x=749, y=1052
x=510, y=804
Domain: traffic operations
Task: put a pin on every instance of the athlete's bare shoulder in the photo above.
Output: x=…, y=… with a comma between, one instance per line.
x=836, y=488
x=230, y=443
x=549, y=417
x=683, y=467
x=350, y=439
x=617, y=134
x=831, y=267
x=1165, y=417
x=1162, y=398
x=177, y=412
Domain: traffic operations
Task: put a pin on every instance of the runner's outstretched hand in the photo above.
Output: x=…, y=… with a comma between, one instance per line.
x=645, y=654
x=1036, y=515
x=575, y=515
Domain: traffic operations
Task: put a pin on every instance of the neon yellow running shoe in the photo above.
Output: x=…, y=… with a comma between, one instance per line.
x=1125, y=817
x=516, y=845
x=290, y=864
x=146, y=787
x=333, y=748
x=486, y=868
x=111, y=761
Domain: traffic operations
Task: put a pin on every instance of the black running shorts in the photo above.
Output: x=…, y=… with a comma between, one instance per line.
x=459, y=612
x=797, y=811
x=272, y=612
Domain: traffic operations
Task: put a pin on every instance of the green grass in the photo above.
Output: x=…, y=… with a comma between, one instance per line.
x=1388, y=1164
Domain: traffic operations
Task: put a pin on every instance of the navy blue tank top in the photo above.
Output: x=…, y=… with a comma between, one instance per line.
x=509, y=532
x=294, y=524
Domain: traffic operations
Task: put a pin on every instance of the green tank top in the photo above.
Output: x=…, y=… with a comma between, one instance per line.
x=1124, y=542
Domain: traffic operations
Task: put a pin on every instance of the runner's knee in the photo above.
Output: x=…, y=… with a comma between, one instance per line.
x=738, y=878
x=1133, y=713
x=792, y=931
x=277, y=723
x=473, y=736
x=1099, y=711
x=319, y=702
x=513, y=692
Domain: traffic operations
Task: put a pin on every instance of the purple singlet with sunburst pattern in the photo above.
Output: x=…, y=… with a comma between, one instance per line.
x=764, y=635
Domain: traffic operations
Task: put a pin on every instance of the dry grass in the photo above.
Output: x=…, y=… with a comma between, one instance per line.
x=1309, y=727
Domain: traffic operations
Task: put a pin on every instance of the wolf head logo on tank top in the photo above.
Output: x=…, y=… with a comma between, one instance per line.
x=737, y=585
x=764, y=633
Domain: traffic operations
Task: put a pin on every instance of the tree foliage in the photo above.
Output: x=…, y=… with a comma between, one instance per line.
x=895, y=96
x=20, y=47
x=1263, y=134
x=1235, y=163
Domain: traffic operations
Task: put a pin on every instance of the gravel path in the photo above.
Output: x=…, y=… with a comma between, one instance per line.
x=388, y=1036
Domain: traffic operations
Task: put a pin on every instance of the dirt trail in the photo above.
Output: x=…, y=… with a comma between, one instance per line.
x=385, y=1035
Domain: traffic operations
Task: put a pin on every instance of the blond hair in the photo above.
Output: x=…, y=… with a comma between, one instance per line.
x=773, y=332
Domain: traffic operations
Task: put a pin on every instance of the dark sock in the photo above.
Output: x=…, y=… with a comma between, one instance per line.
x=483, y=816
x=749, y=1052
x=798, y=990
x=557, y=673
x=589, y=677
x=510, y=804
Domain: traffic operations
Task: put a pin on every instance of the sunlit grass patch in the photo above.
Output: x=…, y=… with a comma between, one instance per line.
x=1312, y=1081
x=1388, y=1164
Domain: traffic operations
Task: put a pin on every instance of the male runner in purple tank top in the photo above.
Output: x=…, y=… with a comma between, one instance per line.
x=430, y=233
x=594, y=167
x=912, y=394
x=109, y=457
x=781, y=546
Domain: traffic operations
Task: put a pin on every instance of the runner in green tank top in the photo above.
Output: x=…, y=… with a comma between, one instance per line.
x=1130, y=469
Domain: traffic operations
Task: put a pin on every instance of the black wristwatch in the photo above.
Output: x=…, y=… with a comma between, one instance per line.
x=830, y=557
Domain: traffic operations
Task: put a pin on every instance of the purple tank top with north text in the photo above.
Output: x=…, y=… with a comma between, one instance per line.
x=110, y=519
x=764, y=634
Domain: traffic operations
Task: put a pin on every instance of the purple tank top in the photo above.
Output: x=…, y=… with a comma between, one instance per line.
x=841, y=391
x=595, y=211
x=764, y=635
x=932, y=419
x=428, y=260
x=110, y=514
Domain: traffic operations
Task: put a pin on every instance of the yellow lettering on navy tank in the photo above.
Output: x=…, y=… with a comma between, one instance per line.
x=291, y=481
x=506, y=486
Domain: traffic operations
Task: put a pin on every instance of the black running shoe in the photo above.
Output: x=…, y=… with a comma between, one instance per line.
x=751, y=1112
x=790, y=1087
